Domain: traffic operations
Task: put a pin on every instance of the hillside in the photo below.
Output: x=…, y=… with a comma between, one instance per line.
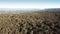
x=46, y=22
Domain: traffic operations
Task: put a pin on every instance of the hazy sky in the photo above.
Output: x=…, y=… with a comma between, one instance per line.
x=25, y=4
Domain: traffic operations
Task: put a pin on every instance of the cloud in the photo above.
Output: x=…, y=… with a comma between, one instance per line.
x=26, y=6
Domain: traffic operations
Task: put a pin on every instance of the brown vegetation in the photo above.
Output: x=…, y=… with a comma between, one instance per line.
x=30, y=23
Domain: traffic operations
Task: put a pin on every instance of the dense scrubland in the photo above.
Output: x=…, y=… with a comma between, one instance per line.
x=30, y=23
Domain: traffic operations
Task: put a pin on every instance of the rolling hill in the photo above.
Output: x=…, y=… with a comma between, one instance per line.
x=37, y=22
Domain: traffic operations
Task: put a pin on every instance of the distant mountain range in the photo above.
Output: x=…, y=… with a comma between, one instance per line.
x=31, y=10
